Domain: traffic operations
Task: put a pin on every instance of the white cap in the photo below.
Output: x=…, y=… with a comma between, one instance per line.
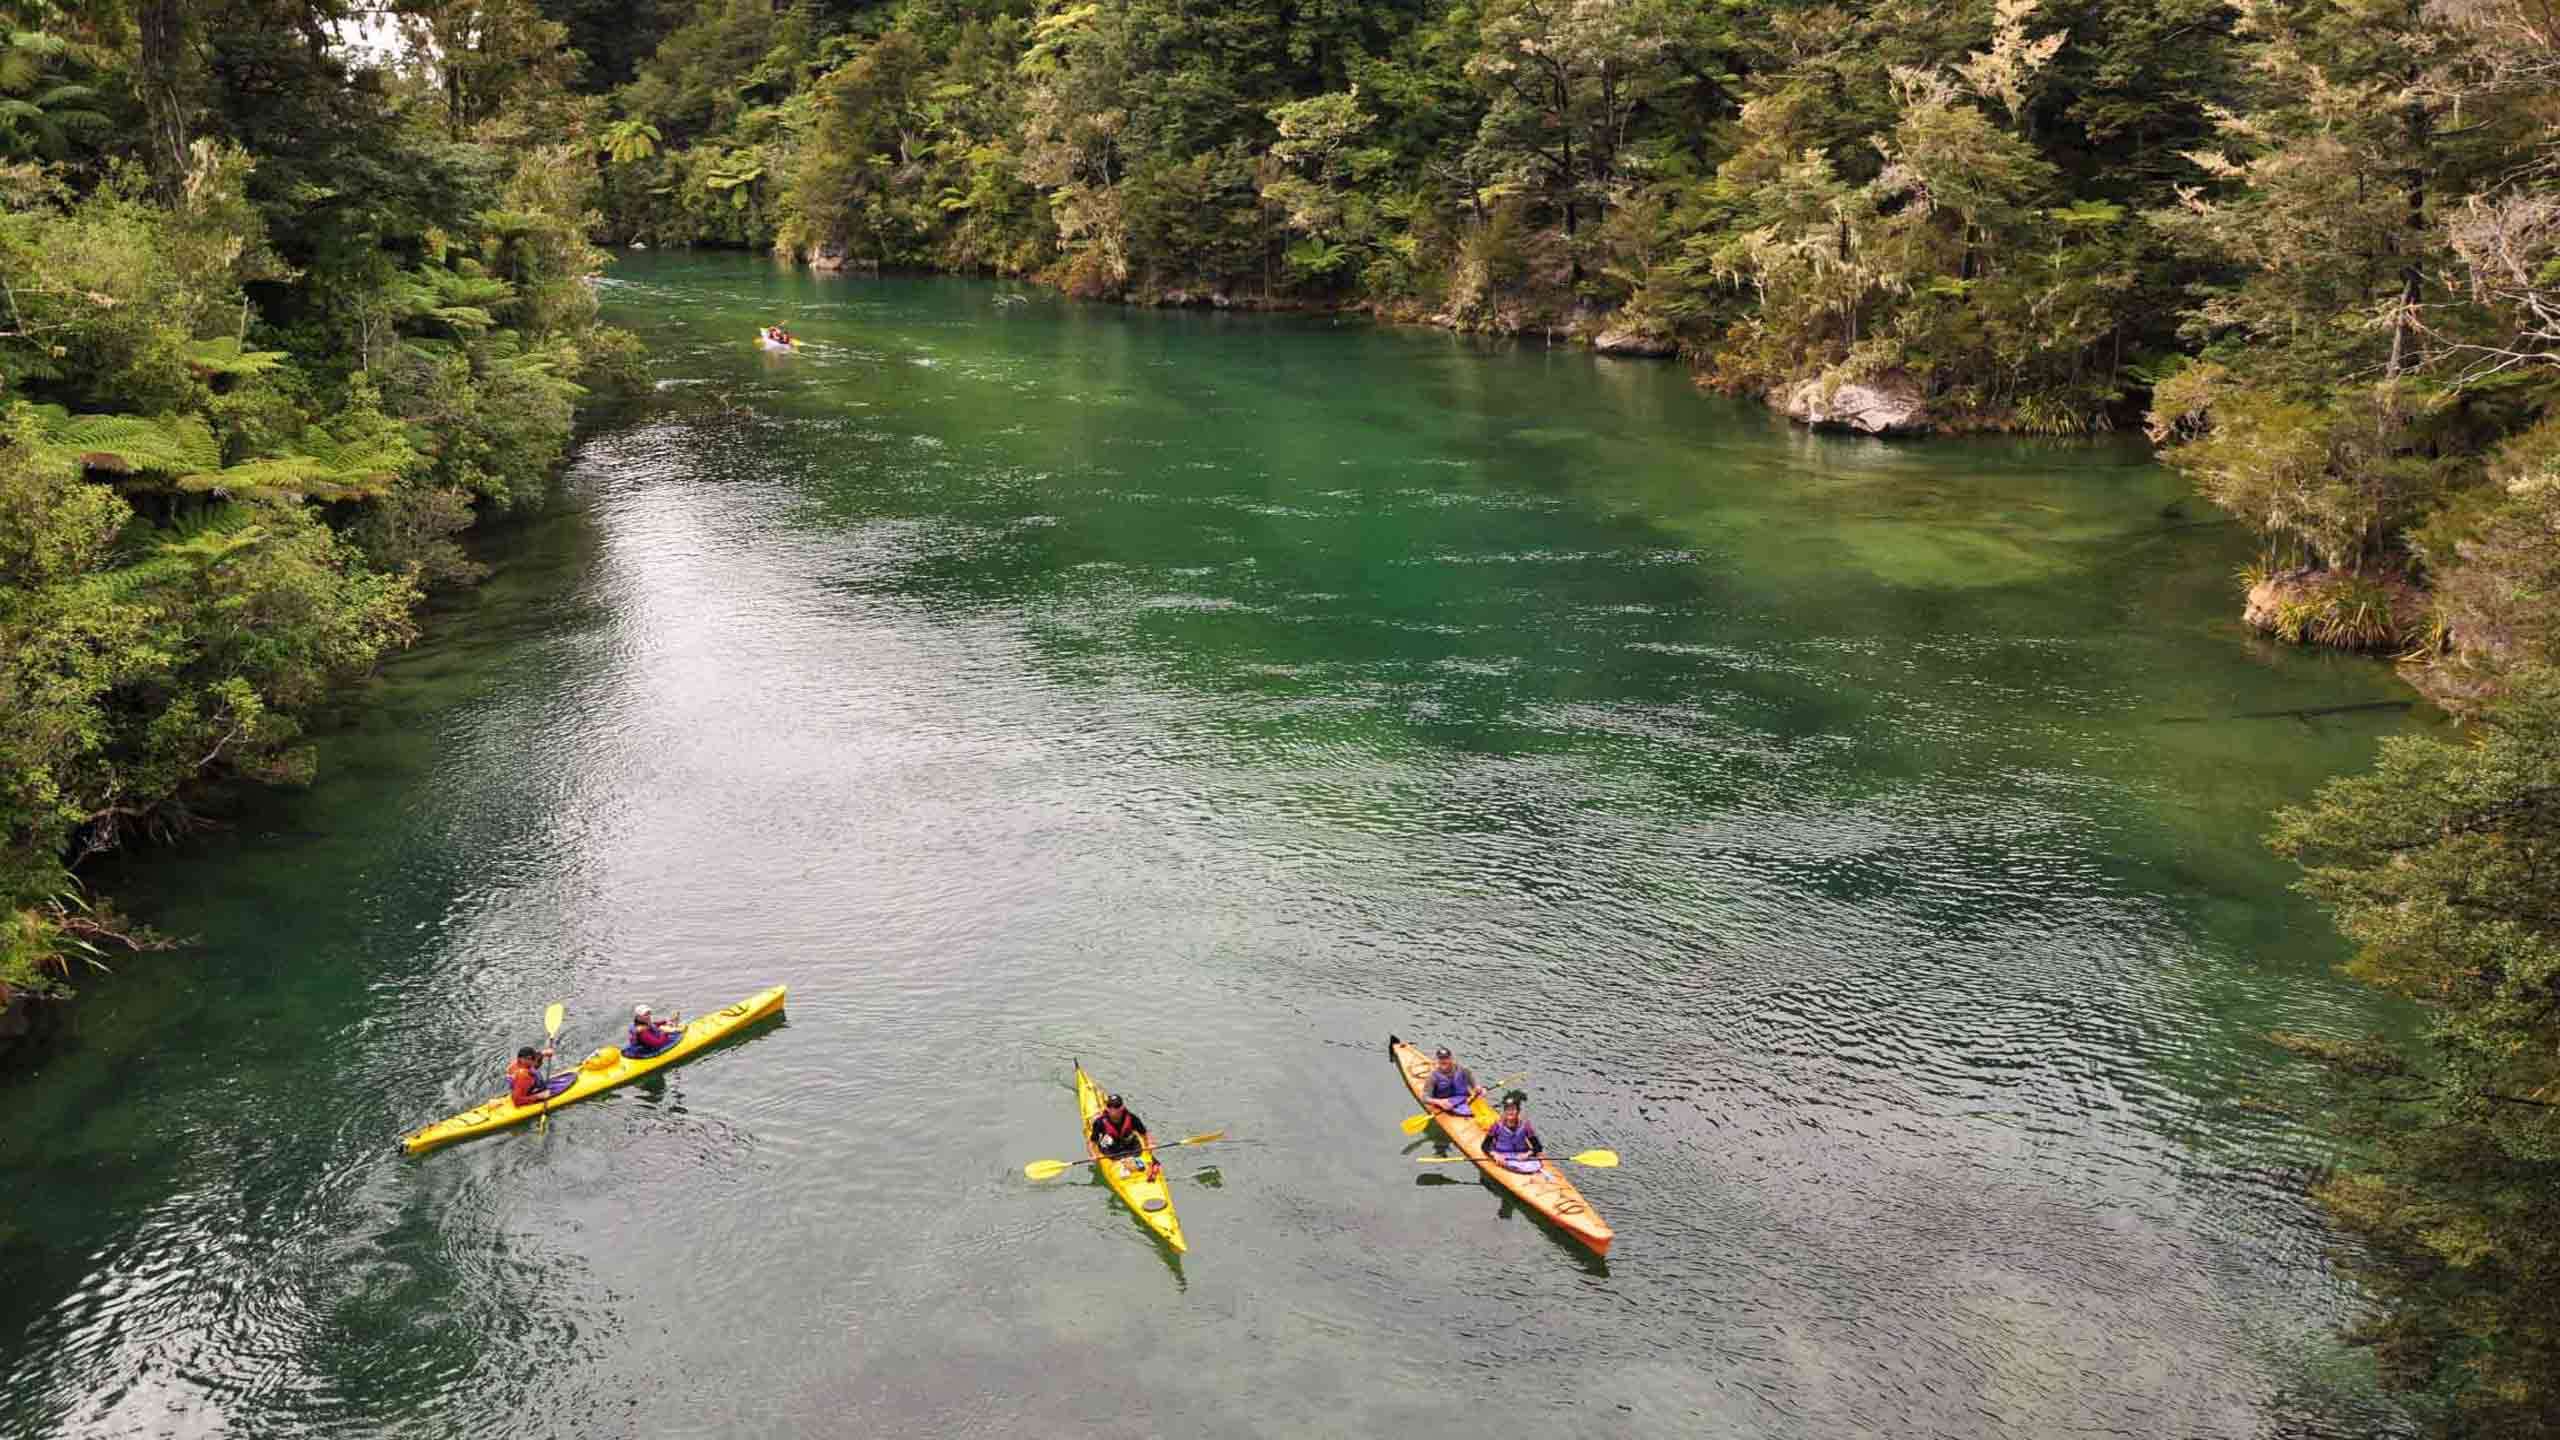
x=639, y=1012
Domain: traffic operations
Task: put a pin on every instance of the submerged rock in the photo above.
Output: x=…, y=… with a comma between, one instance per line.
x=1889, y=404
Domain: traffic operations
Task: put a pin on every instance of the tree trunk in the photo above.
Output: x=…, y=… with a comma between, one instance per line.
x=2404, y=319
x=162, y=83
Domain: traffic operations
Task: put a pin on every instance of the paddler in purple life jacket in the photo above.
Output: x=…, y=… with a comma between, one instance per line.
x=648, y=1036
x=1513, y=1142
x=1120, y=1135
x=1450, y=1090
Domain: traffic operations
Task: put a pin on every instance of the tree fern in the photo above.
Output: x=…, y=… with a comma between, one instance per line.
x=227, y=359
x=325, y=467
x=181, y=555
x=125, y=444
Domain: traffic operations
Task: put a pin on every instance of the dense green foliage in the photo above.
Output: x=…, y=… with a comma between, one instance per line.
x=2315, y=243
x=2444, y=867
x=2316, y=246
x=278, y=325
x=285, y=311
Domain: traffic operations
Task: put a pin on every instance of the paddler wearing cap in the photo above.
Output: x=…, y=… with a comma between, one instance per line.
x=650, y=1035
x=1120, y=1135
x=1449, y=1090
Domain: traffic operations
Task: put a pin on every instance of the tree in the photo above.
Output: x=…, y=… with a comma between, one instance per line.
x=2443, y=866
x=856, y=185
x=1564, y=81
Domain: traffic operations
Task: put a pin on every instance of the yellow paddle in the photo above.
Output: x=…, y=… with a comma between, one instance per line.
x=1052, y=1169
x=1416, y=1124
x=551, y=1019
x=1596, y=1159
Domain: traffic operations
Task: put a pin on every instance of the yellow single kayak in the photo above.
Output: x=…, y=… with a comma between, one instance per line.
x=1149, y=1198
x=1544, y=1189
x=598, y=1073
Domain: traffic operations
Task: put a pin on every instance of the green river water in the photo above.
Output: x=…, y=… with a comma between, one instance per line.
x=1860, y=838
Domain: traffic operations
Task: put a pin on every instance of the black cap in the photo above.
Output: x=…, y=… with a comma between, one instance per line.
x=1442, y=1054
x=1111, y=1101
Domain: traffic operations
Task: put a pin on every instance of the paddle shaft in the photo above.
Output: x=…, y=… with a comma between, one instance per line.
x=550, y=1043
x=1214, y=1137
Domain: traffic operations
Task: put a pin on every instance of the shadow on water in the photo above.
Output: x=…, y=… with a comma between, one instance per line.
x=1171, y=1257
x=1511, y=1208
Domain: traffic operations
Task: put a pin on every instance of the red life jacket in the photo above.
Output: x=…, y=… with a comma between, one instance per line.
x=524, y=1082
x=1111, y=1132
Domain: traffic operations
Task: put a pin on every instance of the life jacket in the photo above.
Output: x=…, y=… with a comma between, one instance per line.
x=524, y=1082
x=1456, y=1085
x=651, y=1036
x=1111, y=1132
x=1503, y=1139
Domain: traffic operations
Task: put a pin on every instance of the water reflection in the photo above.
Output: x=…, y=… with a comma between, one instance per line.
x=1196, y=696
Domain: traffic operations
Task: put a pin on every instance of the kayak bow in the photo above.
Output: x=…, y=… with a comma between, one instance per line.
x=1150, y=1198
x=1544, y=1190
x=598, y=1073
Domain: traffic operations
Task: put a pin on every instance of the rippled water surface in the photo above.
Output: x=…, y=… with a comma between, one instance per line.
x=1861, y=839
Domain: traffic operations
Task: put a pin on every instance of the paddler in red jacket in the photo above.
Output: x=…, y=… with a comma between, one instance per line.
x=1120, y=1135
x=525, y=1080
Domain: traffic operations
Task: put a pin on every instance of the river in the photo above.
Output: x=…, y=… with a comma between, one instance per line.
x=1862, y=839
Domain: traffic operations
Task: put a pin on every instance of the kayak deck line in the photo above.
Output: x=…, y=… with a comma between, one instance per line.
x=604, y=1070
x=1149, y=1198
x=1545, y=1190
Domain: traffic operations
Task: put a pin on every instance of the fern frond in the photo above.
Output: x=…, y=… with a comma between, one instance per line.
x=188, y=556
x=228, y=359
x=125, y=444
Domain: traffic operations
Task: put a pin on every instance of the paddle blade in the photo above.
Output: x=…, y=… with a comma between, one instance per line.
x=1442, y=1160
x=1203, y=1138
x=551, y=1019
x=1047, y=1169
x=1416, y=1124
x=1596, y=1159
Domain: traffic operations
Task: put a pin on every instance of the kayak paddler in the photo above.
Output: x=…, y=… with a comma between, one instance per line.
x=1513, y=1142
x=525, y=1080
x=648, y=1036
x=1119, y=1134
x=1450, y=1090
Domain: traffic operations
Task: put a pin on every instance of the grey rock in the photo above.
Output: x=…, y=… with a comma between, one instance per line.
x=1627, y=340
x=1889, y=404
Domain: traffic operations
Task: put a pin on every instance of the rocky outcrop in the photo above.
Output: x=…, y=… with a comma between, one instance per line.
x=829, y=256
x=1888, y=404
x=1625, y=338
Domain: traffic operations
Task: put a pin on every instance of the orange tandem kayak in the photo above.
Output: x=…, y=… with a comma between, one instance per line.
x=1545, y=1190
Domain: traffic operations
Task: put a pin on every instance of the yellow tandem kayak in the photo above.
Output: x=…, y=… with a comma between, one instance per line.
x=598, y=1073
x=1150, y=1198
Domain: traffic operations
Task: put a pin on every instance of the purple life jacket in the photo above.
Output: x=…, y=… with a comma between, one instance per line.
x=1501, y=1139
x=1456, y=1085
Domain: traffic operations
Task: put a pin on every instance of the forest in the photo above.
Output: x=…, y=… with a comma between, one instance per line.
x=299, y=290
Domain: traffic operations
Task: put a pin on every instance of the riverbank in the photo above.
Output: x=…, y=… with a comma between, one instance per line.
x=1201, y=718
